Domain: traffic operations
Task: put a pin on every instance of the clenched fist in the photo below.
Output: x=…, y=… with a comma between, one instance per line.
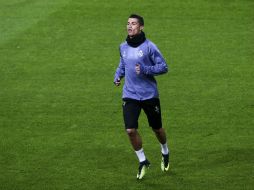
x=137, y=68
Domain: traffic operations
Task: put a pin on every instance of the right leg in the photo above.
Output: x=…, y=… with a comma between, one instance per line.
x=135, y=139
x=131, y=112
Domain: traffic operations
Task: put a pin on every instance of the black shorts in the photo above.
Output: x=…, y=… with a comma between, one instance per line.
x=132, y=109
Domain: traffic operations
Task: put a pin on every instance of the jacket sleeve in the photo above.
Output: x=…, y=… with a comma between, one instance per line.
x=160, y=66
x=120, y=71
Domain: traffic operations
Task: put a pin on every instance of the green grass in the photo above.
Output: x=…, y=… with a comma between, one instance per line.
x=60, y=115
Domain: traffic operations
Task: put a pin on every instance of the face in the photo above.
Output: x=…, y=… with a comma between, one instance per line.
x=133, y=27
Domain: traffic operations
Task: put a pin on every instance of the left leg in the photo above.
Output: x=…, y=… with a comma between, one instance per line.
x=153, y=113
x=161, y=135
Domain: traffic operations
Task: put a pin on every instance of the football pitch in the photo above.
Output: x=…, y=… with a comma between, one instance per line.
x=61, y=124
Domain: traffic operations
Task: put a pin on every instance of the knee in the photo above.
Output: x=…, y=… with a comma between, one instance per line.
x=131, y=132
x=158, y=131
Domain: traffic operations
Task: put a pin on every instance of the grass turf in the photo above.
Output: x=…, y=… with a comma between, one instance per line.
x=60, y=116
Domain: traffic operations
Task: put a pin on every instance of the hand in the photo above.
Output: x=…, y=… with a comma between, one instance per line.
x=117, y=82
x=137, y=68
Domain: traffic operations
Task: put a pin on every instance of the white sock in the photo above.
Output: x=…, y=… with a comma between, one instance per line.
x=164, y=149
x=141, y=155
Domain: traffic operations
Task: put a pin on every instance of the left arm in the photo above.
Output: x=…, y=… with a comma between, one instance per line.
x=160, y=65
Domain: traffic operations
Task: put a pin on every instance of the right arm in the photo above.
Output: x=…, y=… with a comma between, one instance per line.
x=120, y=71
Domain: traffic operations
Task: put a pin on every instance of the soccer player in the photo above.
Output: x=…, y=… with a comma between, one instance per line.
x=140, y=61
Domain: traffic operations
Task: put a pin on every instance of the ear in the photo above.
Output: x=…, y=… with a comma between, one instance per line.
x=141, y=27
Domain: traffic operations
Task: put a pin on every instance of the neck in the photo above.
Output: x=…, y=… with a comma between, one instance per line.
x=135, y=35
x=136, y=40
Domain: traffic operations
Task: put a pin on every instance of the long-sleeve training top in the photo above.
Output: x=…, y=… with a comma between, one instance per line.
x=141, y=86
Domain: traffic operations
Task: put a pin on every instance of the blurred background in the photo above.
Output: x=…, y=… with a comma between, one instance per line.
x=61, y=123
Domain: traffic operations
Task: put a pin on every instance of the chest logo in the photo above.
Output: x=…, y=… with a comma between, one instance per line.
x=140, y=53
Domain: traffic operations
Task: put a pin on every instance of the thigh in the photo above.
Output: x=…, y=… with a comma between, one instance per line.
x=131, y=112
x=152, y=110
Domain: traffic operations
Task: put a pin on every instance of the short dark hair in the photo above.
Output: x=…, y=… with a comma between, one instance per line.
x=140, y=19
